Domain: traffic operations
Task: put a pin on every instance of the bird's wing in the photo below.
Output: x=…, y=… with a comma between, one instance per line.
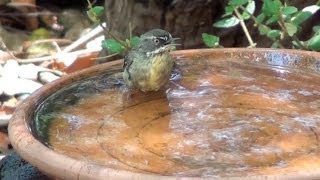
x=128, y=61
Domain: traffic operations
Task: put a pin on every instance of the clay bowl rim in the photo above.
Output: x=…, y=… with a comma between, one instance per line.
x=66, y=167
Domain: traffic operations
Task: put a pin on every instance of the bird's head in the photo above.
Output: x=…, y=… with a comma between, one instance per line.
x=156, y=41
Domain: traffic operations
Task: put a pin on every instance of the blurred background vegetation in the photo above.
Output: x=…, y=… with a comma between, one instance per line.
x=190, y=19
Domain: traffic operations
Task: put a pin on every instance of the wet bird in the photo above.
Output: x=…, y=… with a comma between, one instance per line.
x=148, y=67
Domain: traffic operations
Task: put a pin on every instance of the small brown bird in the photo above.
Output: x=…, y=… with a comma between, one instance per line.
x=149, y=66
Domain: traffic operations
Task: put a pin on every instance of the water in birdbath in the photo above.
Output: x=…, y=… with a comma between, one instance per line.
x=214, y=118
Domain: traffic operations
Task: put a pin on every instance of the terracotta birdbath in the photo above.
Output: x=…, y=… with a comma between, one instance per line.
x=225, y=113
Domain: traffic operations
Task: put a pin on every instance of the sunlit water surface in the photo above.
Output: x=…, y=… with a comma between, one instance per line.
x=219, y=118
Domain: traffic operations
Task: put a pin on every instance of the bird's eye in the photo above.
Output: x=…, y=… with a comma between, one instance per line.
x=156, y=41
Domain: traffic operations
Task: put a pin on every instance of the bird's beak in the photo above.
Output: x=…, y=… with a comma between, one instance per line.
x=174, y=39
x=171, y=46
x=172, y=42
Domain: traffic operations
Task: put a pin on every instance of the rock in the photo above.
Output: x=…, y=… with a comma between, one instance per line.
x=5, y=146
x=7, y=108
x=95, y=44
x=29, y=71
x=41, y=49
x=10, y=69
x=46, y=77
x=13, y=86
x=74, y=22
x=66, y=58
x=22, y=97
x=5, y=115
x=10, y=103
x=1, y=70
x=36, y=48
x=14, y=167
x=27, y=172
x=13, y=39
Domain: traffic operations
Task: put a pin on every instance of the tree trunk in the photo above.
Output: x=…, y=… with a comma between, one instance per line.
x=185, y=19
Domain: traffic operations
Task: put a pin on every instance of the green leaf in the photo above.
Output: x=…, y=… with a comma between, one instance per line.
x=98, y=10
x=288, y=10
x=227, y=22
x=271, y=7
x=273, y=19
x=291, y=28
x=312, y=9
x=263, y=29
x=260, y=18
x=134, y=41
x=314, y=43
x=295, y=44
x=237, y=2
x=274, y=34
x=39, y=34
x=95, y=13
x=251, y=6
x=305, y=14
x=228, y=11
x=316, y=29
x=112, y=46
x=275, y=45
x=210, y=40
x=301, y=17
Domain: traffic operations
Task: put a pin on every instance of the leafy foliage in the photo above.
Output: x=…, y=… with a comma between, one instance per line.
x=39, y=34
x=237, y=2
x=251, y=6
x=95, y=13
x=271, y=7
x=210, y=40
x=288, y=10
x=134, y=41
x=113, y=45
x=274, y=34
x=314, y=43
x=227, y=22
x=277, y=20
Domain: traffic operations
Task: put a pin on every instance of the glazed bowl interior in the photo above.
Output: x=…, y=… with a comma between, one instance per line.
x=224, y=113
